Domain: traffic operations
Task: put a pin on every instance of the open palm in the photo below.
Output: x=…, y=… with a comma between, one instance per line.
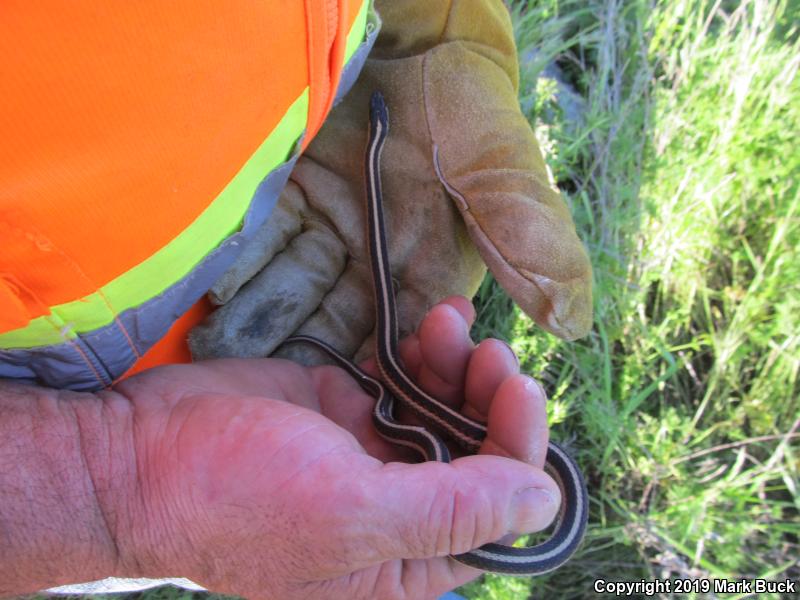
x=264, y=478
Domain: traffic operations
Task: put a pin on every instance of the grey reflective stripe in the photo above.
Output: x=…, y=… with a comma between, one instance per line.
x=94, y=360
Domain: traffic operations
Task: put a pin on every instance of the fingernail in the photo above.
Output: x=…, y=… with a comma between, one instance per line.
x=532, y=509
x=532, y=383
x=511, y=350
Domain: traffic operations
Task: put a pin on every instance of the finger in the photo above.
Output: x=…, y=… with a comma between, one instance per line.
x=445, y=347
x=518, y=422
x=410, y=354
x=443, y=339
x=421, y=578
x=436, y=509
x=463, y=306
x=409, y=346
x=490, y=364
x=437, y=357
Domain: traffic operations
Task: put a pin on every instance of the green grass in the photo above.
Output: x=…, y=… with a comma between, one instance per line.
x=682, y=174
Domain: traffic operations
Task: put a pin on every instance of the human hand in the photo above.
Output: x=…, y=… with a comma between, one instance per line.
x=464, y=184
x=266, y=479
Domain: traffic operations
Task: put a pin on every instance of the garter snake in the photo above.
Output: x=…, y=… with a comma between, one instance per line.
x=396, y=385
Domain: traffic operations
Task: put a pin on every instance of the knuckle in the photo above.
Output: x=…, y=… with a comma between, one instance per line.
x=457, y=516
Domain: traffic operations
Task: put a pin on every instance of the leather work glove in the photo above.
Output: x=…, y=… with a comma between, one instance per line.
x=464, y=184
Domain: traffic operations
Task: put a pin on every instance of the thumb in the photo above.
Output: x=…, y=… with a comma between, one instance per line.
x=514, y=214
x=435, y=509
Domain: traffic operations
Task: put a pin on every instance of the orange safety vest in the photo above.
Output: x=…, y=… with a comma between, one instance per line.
x=141, y=145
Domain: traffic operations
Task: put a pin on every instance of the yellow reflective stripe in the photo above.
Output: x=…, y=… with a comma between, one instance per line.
x=175, y=260
x=41, y=331
x=357, y=31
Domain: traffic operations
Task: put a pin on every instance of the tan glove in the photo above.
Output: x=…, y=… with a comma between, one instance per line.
x=464, y=184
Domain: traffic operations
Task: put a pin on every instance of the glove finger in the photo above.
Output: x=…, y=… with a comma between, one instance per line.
x=274, y=303
x=343, y=319
x=283, y=224
x=515, y=216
